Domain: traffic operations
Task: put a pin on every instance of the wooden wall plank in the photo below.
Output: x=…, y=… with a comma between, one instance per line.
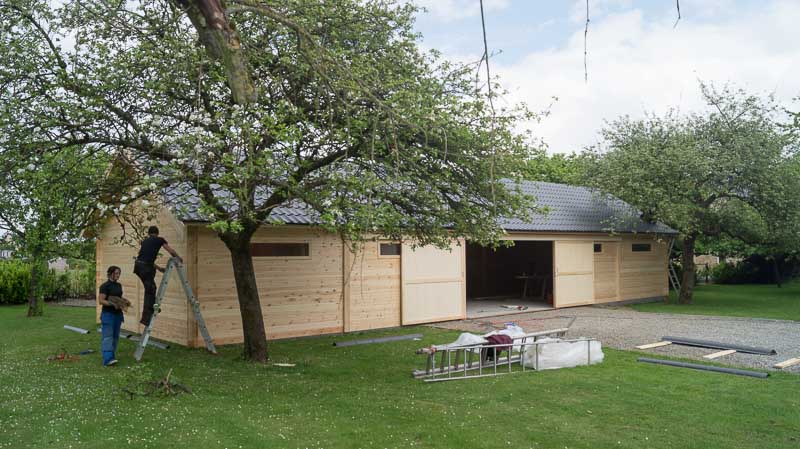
x=643, y=274
x=171, y=323
x=606, y=276
x=299, y=296
x=373, y=288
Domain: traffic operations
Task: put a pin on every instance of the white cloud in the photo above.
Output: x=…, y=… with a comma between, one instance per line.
x=637, y=65
x=454, y=10
x=597, y=9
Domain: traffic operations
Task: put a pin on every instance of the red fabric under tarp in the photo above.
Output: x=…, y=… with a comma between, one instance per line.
x=498, y=339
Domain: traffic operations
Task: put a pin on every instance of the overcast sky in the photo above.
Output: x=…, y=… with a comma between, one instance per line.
x=637, y=61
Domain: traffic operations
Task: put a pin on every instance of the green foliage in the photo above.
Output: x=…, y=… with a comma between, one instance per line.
x=332, y=104
x=701, y=173
x=15, y=279
x=725, y=246
x=558, y=168
x=45, y=204
x=54, y=285
x=729, y=171
x=741, y=273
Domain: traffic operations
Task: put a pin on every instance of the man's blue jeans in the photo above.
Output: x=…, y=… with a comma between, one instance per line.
x=110, y=324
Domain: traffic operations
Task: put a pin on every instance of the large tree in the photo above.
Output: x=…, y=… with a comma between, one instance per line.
x=251, y=104
x=696, y=172
x=46, y=201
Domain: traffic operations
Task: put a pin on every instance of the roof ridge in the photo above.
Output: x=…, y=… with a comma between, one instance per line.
x=570, y=209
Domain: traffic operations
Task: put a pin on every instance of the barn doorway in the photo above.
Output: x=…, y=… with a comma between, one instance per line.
x=510, y=279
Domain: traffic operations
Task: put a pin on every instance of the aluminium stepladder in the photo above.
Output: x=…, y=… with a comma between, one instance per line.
x=674, y=280
x=174, y=264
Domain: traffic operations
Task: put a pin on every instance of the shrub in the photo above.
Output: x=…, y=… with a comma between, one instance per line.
x=82, y=282
x=744, y=272
x=15, y=279
x=55, y=286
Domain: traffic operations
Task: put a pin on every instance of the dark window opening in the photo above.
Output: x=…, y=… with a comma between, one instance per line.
x=641, y=247
x=390, y=249
x=279, y=249
x=598, y=247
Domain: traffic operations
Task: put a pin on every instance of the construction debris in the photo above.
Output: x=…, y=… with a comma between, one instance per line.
x=523, y=347
x=62, y=356
x=738, y=372
x=76, y=329
x=718, y=345
x=654, y=345
x=719, y=354
x=787, y=363
x=162, y=387
x=376, y=340
x=554, y=353
x=514, y=307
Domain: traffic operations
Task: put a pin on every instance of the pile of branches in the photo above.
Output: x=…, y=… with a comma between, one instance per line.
x=62, y=356
x=161, y=387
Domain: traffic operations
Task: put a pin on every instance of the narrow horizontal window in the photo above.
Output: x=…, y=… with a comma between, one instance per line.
x=598, y=247
x=641, y=247
x=390, y=249
x=279, y=249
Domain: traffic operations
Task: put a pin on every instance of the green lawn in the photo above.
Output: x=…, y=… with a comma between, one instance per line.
x=757, y=301
x=364, y=396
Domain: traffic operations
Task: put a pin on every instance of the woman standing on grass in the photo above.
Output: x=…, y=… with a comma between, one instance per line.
x=111, y=317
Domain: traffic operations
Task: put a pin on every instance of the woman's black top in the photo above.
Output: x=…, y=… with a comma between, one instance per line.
x=111, y=288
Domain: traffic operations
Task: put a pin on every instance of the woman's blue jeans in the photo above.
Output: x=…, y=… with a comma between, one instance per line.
x=109, y=331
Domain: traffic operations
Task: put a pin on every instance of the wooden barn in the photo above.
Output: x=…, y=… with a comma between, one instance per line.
x=312, y=283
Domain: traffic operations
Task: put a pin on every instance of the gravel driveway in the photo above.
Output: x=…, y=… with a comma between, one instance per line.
x=624, y=328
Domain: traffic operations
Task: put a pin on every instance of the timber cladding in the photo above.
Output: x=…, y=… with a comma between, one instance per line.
x=372, y=287
x=172, y=321
x=606, y=265
x=299, y=295
x=310, y=282
x=643, y=274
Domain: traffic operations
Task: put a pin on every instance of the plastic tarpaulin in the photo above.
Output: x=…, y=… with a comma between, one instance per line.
x=465, y=339
x=554, y=353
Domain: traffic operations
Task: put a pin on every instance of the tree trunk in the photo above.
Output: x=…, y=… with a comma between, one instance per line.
x=221, y=40
x=776, y=272
x=255, y=336
x=687, y=281
x=35, y=301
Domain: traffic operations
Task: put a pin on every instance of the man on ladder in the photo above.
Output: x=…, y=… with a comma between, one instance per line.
x=175, y=264
x=145, y=268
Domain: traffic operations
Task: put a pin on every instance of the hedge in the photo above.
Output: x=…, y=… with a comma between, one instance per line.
x=15, y=279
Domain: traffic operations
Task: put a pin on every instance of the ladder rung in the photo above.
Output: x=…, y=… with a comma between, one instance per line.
x=162, y=288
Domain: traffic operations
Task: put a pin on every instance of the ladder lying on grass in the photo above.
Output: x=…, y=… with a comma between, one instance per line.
x=174, y=264
x=450, y=367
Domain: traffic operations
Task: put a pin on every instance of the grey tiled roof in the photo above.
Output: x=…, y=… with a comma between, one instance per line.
x=579, y=209
x=569, y=209
x=184, y=202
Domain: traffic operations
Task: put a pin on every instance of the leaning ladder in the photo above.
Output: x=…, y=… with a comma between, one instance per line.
x=175, y=264
x=673, y=276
